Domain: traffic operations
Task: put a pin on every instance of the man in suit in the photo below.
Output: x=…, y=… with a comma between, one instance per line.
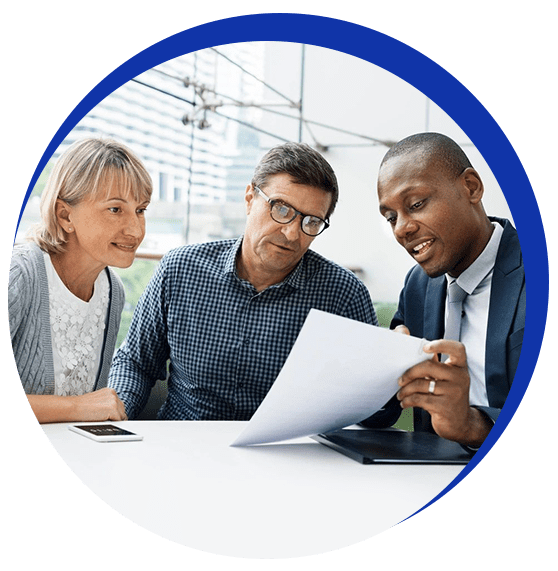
x=432, y=197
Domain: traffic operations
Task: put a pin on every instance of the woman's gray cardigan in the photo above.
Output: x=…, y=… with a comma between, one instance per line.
x=28, y=307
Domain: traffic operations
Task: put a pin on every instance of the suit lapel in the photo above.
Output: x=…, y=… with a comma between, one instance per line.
x=434, y=308
x=433, y=328
x=507, y=282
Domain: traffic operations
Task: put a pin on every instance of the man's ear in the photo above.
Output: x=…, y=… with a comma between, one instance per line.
x=473, y=183
x=63, y=215
x=249, y=196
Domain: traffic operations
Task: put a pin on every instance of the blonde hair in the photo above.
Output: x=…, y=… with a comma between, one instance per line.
x=85, y=170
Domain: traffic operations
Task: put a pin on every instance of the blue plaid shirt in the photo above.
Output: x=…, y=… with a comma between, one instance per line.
x=226, y=342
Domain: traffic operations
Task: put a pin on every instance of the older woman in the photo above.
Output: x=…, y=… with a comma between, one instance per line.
x=64, y=301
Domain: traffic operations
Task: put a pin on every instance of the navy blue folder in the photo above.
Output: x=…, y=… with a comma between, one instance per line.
x=387, y=446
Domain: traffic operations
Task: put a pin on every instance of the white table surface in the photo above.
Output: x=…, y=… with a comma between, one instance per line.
x=185, y=483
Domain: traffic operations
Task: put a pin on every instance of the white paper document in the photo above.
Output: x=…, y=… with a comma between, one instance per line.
x=338, y=373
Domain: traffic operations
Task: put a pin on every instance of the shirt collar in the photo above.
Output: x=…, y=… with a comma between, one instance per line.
x=470, y=279
x=229, y=266
x=295, y=279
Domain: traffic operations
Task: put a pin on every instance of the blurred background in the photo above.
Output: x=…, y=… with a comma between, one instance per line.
x=201, y=122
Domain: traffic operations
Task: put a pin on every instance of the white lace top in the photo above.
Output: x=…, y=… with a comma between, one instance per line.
x=77, y=331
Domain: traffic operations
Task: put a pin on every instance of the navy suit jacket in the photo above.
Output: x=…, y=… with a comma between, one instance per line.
x=422, y=309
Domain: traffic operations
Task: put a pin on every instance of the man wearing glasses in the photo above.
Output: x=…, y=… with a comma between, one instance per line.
x=226, y=314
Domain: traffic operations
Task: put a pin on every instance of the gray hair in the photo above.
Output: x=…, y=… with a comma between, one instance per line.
x=303, y=164
x=85, y=170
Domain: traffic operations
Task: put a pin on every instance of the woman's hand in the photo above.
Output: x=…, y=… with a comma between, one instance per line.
x=100, y=405
x=103, y=404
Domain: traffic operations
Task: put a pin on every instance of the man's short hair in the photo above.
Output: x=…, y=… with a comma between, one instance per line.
x=432, y=146
x=303, y=164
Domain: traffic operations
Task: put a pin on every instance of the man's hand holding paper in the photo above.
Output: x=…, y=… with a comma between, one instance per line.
x=442, y=389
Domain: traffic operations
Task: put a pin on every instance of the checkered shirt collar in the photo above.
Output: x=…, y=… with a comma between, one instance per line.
x=296, y=279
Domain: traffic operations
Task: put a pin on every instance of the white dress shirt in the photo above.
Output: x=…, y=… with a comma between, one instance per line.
x=476, y=280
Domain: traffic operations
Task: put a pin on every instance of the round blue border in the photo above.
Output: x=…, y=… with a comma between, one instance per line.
x=425, y=75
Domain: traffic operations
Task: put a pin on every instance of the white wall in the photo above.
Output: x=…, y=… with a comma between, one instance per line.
x=352, y=94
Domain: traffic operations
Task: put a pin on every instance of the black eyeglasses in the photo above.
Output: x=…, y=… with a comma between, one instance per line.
x=284, y=213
